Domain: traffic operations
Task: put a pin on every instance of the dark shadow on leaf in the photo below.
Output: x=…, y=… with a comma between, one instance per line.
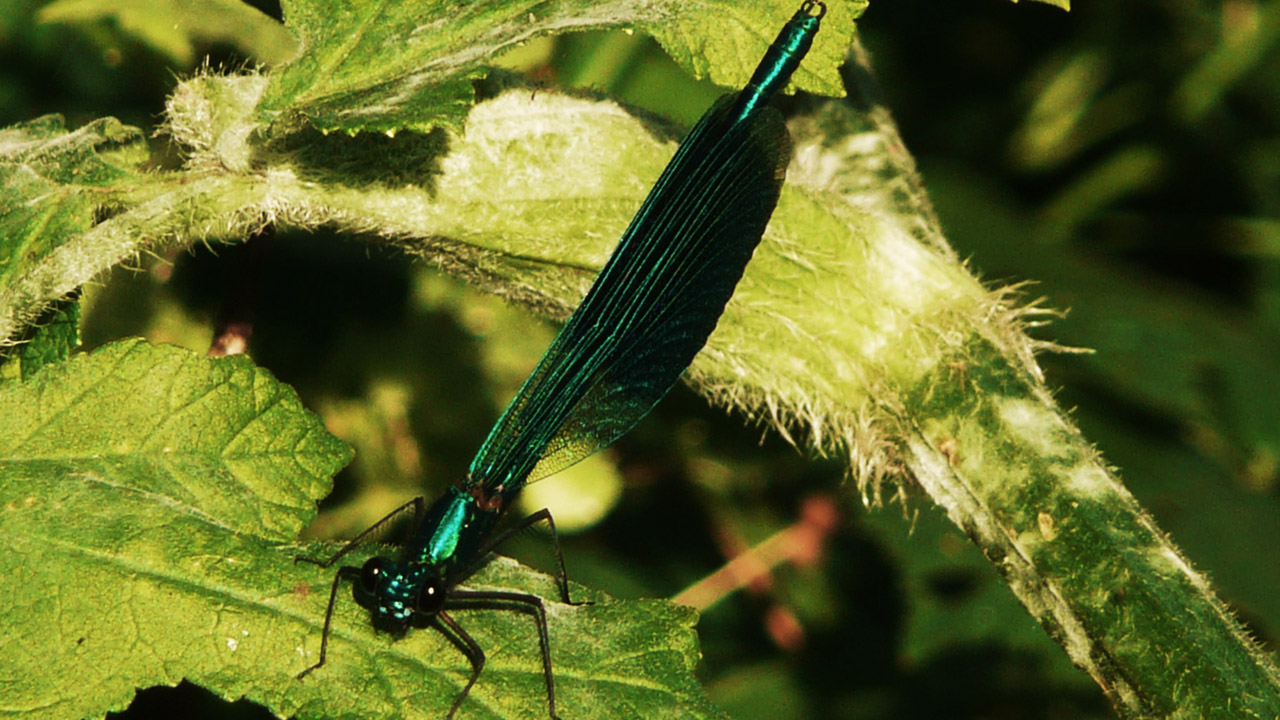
x=367, y=160
x=188, y=701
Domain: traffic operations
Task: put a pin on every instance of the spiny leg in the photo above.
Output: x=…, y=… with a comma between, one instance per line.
x=469, y=647
x=328, y=615
x=562, y=577
x=523, y=602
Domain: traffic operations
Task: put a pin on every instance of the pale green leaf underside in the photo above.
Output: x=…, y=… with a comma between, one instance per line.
x=146, y=498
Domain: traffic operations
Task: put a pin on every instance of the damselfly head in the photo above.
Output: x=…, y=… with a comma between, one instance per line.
x=814, y=8
x=387, y=590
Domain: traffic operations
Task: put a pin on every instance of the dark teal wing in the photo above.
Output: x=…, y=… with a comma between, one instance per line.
x=653, y=305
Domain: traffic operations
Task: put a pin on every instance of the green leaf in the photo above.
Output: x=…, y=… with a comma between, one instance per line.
x=54, y=338
x=147, y=500
x=386, y=66
x=173, y=27
x=53, y=184
x=219, y=438
x=725, y=41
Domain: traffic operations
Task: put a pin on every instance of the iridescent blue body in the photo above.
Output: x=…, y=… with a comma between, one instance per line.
x=780, y=60
x=649, y=312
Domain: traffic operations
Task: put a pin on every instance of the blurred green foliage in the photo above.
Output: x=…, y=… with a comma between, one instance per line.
x=1125, y=157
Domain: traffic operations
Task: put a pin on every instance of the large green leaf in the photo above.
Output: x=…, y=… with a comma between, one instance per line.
x=148, y=500
x=381, y=65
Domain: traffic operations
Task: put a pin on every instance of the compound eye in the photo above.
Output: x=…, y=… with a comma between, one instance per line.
x=431, y=598
x=370, y=573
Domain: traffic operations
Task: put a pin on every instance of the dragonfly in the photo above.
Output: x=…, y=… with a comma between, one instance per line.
x=648, y=313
